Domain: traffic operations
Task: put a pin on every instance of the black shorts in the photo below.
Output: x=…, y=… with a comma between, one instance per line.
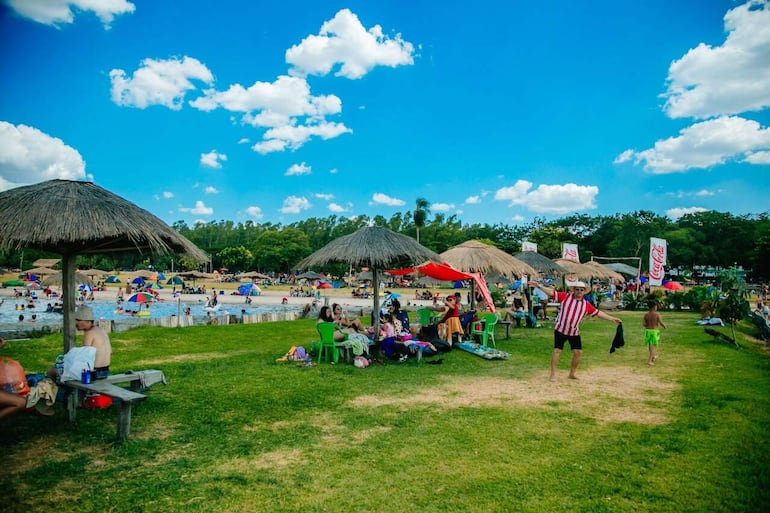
x=559, y=338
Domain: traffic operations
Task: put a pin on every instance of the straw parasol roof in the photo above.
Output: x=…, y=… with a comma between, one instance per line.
x=41, y=271
x=606, y=273
x=95, y=272
x=374, y=247
x=541, y=263
x=622, y=268
x=71, y=218
x=80, y=278
x=46, y=262
x=253, y=274
x=475, y=256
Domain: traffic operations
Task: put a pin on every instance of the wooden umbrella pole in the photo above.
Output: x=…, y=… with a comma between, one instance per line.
x=376, y=313
x=68, y=300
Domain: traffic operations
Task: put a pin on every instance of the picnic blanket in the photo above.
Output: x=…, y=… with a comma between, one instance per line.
x=488, y=353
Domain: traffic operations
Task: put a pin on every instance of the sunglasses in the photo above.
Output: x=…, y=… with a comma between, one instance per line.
x=579, y=289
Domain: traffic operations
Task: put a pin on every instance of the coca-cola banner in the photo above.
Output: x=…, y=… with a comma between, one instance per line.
x=570, y=252
x=658, y=253
x=528, y=246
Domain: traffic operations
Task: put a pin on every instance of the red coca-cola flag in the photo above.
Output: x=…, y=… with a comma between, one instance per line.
x=658, y=253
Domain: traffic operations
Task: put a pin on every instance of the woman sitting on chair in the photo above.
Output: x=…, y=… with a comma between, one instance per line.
x=340, y=334
x=343, y=321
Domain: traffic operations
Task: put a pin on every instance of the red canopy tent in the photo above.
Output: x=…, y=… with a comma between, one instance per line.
x=446, y=272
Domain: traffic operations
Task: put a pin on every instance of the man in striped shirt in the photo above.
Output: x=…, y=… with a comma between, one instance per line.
x=572, y=309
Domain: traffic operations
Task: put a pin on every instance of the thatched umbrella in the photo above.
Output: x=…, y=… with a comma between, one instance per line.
x=623, y=268
x=541, y=263
x=580, y=271
x=476, y=257
x=79, y=278
x=41, y=271
x=603, y=272
x=72, y=218
x=253, y=274
x=95, y=272
x=374, y=247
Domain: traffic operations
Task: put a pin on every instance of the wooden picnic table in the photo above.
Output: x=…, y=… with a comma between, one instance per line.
x=123, y=398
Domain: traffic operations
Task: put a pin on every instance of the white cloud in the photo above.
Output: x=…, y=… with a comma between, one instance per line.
x=199, y=209
x=758, y=157
x=270, y=146
x=243, y=140
x=381, y=199
x=704, y=192
x=213, y=159
x=442, y=207
x=295, y=205
x=676, y=213
x=294, y=137
x=298, y=169
x=158, y=82
x=254, y=213
x=338, y=209
x=28, y=156
x=729, y=79
x=473, y=200
x=517, y=219
x=325, y=197
x=168, y=195
x=344, y=41
x=706, y=144
x=210, y=189
x=550, y=199
x=624, y=157
x=55, y=12
x=333, y=171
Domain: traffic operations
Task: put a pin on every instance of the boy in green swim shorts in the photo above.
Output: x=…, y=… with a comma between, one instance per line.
x=652, y=320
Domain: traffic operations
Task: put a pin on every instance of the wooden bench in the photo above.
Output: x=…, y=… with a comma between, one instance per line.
x=507, y=325
x=123, y=398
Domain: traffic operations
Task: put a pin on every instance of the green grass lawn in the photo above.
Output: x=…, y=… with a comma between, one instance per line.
x=235, y=431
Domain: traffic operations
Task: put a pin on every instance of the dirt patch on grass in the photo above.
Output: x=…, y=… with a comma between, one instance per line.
x=617, y=394
x=194, y=357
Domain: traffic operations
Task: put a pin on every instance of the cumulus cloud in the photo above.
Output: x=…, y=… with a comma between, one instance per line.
x=295, y=205
x=323, y=196
x=254, y=213
x=168, y=195
x=210, y=189
x=549, y=199
x=338, y=209
x=707, y=144
x=473, y=200
x=442, y=207
x=382, y=199
x=676, y=213
x=200, y=209
x=56, y=12
x=158, y=82
x=28, y=156
x=728, y=79
x=517, y=219
x=758, y=157
x=344, y=43
x=298, y=169
x=213, y=159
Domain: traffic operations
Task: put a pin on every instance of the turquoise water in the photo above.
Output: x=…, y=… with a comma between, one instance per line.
x=9, y=314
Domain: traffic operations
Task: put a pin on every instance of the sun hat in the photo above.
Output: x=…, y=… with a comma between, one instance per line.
x=573, y=284
x=84, y=313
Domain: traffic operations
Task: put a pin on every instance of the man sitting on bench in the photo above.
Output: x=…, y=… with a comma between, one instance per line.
x=95, y=336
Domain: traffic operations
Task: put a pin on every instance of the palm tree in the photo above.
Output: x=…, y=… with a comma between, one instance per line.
x=421, y=210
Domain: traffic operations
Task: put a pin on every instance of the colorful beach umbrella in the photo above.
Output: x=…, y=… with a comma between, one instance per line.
x=672, y=285
x=142, y=297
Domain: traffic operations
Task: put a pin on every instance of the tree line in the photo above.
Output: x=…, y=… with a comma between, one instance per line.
x=711, y=239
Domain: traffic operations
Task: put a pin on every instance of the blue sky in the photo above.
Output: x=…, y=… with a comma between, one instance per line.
x=497, y=112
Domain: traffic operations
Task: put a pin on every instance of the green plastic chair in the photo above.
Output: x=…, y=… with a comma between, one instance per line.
x=487, y=331
x=328, y=346
x=424, y=316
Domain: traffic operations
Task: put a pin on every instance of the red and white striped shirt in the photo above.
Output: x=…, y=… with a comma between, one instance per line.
x=571, y=313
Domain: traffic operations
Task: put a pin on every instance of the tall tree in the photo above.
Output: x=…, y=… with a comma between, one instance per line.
x=421, y=210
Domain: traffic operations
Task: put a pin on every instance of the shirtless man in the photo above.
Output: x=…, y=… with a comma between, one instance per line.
x=651, y=321
x=94, y=336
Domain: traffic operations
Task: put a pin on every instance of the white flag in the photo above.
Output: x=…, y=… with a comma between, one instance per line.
x=528, y=246
x=570, y=252
x=658, y=253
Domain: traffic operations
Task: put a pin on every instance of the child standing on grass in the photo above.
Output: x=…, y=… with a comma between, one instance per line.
x=651, y=321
